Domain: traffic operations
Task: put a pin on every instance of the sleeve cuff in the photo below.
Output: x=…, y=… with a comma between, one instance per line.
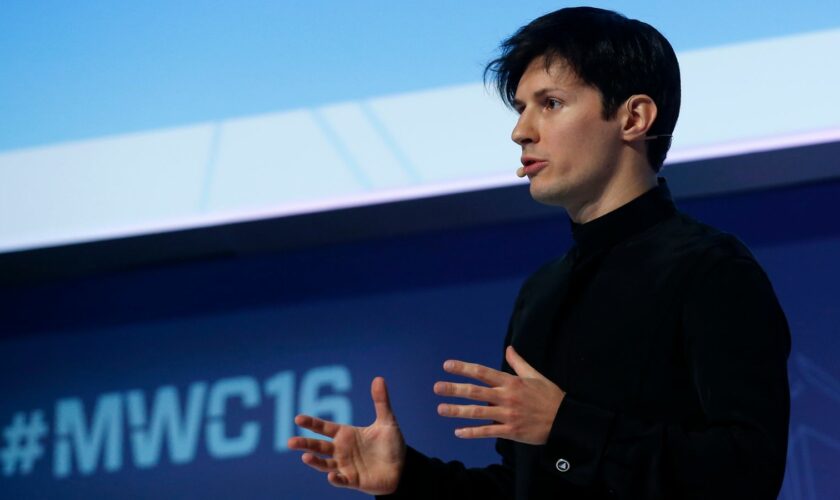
x=411, y=477
x=576, y=441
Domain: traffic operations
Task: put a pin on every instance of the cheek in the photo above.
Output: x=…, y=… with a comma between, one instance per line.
x=594, y=145
x=576, y=146
x=593, y=133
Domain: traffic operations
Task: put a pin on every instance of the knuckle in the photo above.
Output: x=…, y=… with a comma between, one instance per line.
x=514, y=399
x=507, y=399
x=513, y=430
x=506, y=414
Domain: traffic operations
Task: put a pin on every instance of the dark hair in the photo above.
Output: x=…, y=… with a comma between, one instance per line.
x=618, y=56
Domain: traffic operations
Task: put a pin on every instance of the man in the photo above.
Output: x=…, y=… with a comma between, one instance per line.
x=649, y=361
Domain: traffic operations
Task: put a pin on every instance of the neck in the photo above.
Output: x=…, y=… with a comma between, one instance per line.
x=620, y=190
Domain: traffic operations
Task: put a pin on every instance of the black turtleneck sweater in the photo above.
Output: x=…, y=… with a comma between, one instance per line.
x=671, y=346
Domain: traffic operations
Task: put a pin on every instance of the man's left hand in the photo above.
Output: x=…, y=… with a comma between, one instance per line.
x=522, y=406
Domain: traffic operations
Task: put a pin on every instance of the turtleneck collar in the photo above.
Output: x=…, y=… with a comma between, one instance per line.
x=639, y=214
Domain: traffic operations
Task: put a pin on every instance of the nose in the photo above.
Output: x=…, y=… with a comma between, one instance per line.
x=524, y=131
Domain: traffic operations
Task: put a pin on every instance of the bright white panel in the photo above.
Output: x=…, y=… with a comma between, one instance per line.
x=95, y=188
x=451, y=134
x=271, y=160
x=368, y=145
x=752, y=92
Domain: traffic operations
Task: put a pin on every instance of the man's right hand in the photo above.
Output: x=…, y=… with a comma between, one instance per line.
x=369, y=459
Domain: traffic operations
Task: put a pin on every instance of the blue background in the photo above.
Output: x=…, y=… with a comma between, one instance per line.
x=359, y=304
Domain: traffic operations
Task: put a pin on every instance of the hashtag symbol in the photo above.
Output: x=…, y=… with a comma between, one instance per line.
x=23, y=443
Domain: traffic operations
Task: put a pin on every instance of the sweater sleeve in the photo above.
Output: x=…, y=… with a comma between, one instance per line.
x=736, y=342
x=425, y=477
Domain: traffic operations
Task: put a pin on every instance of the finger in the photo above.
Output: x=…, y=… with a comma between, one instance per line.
x=484, y=431
x=472, y=411
x=315, y=424
x=318, y=463
x=381, y=401
x=314, y=445
x=519, y=365
x=479, y=372
x=466, y=391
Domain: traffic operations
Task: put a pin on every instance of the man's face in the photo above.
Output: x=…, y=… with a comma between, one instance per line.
x=568, y=150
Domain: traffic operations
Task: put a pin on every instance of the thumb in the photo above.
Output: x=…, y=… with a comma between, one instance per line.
x=381, y=401
x=519, y=365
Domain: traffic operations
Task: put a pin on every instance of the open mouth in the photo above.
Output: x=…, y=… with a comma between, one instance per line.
x=532, y=166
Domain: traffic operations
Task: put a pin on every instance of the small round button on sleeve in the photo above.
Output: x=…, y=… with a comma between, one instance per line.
x=563, y=465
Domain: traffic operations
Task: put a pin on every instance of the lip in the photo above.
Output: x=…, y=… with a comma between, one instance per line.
x=535, y=166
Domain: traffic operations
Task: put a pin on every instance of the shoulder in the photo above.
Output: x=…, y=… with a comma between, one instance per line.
x=722, y=289
x=717, y=267
x=681, y=253
x=704, y=248
x=687, y=236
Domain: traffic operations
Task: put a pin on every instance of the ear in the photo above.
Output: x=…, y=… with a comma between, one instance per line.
x=638, y=114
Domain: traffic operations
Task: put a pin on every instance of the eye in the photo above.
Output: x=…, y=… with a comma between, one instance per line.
x=553, y=103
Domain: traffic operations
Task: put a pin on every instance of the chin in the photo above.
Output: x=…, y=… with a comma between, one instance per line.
x=553, y=197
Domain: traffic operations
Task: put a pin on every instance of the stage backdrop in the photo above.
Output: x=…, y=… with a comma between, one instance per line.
x=181, y=380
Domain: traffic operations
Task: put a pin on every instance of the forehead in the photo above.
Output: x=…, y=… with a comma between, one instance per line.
x=543, y=72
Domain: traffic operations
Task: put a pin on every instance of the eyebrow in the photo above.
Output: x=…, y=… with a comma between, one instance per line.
x=538, y=94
